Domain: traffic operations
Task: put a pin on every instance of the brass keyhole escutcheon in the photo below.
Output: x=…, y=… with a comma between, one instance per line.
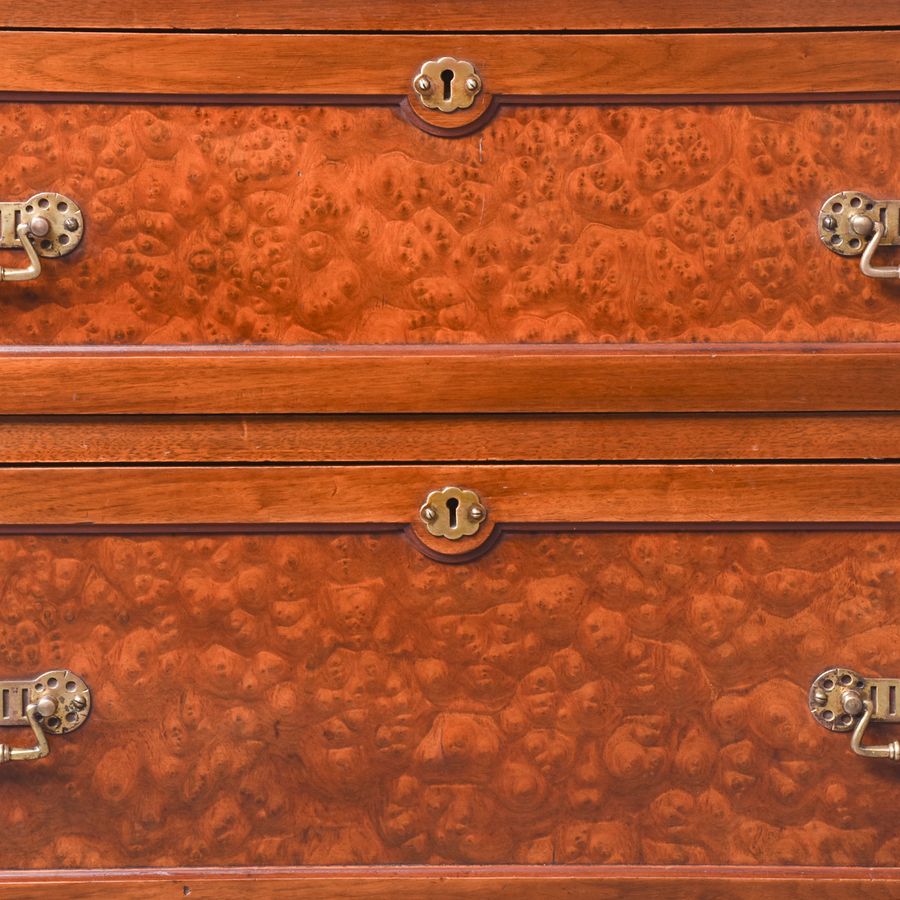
x=447, y=84
x=453, y=513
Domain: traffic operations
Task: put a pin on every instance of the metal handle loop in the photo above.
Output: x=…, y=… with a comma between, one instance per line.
x=18, y=754
x=842, y=700
x=884, y=751
x=33, y=269
x=865, y=264
x=56, y=702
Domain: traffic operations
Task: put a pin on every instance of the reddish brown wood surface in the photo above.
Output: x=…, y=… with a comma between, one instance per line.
x=462, y=883
x=520, y=65
x=334, y=699
x=464, y=438
x=324, y=225
x=475, y=379
x=452, y=15
x=391, y=495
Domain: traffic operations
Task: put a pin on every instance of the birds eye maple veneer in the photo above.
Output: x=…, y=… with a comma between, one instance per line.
x=449, y=450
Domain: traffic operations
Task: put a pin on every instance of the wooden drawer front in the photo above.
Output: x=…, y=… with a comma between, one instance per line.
x=325, y=699
x=401, y=15
x=329, y=225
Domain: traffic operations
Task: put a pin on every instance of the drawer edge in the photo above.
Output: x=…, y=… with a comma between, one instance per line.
x=482, y=379
x=570, y=882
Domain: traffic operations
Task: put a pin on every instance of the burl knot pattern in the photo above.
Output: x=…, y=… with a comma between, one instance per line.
x=312, y=699
x=336, y=225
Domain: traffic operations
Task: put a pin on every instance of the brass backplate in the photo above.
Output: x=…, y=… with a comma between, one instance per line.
x=62, y=215
x=453, y=513
x=63, y=700
x=447, y=84
x=836, y=698
x=842, y=225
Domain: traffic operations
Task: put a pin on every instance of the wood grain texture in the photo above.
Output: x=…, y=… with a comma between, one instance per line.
x=391, y=495
x=461, y=883
x=455, y=15
x=479, y=438
x=325, y=225
x=474, y=379
x=520, y=65
x=334, y=699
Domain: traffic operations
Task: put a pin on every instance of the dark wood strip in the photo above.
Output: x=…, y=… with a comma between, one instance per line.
x=335, y=439
x=547, y=65
x=392, y=495
x=451, y=380
x=454, y=15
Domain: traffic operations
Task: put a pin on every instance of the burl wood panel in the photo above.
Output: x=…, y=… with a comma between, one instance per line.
x=347, y=225
x=335, y=699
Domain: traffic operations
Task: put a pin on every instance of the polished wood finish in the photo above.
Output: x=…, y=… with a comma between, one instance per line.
x=452, y=15
x=436, y=438
x=324, y=225
x=335, y=699
x=458, y=883
x=614, y=261
x=522, y=65
x=388, y=495
x=476, y=379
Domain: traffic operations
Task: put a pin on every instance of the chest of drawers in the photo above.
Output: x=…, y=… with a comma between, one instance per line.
x=401, y=500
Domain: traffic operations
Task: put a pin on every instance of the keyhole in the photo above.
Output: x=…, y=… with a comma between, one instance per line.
x=452, y=506
x=447, y=77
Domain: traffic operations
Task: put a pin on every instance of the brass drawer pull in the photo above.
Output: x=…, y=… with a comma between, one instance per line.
x=841, y=699
x=853, y=224
x=56, y=702
x=45, y=225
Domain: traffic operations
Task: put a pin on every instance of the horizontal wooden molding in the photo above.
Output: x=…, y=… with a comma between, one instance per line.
x=455, y=15
x=442, y=380
x=447, y=438
x=390, y=496
x=543, y=66
x=460, y=883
